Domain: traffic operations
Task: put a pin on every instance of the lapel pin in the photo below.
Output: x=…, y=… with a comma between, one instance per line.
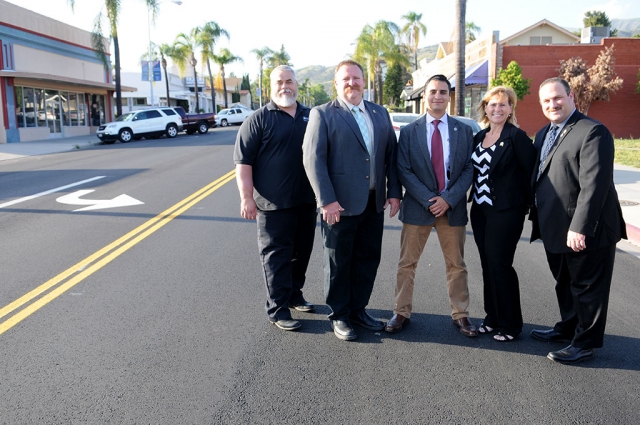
x=501, y=143
x=374, y=111
x=455, y=128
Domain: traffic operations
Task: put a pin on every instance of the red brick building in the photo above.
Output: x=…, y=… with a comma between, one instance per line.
x=621, y=114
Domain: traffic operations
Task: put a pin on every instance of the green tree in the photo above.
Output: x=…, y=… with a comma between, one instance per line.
x=263, y=55
x=112, y=8
x=471, y=30
x=377, y=45
x=512, y=77
x=393, y=85
x=225, y=58
x=206, y=38
x=245, y=85
x=412, y=29
x=184, y=49
x=597, y=18
x=319, y=95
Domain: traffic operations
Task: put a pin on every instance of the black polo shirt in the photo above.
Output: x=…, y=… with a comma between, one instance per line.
x=270, y=140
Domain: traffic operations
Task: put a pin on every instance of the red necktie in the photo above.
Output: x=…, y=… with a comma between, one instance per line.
x=437, y=157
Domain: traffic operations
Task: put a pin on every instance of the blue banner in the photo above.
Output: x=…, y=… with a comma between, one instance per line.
x=157, y=75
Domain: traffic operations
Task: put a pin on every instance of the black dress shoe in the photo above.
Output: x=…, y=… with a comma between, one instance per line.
x=303, y=306
x=549, y=335
x=396, y=323
x=570, y=355
x=343, y=330
x=287, y=324
x=364, y=320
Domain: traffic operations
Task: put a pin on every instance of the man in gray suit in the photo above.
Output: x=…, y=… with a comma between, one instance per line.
x=349, y=156
x=434, y=166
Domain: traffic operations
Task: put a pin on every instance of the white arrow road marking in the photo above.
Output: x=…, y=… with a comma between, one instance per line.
x=57, y=189
x=97, y=204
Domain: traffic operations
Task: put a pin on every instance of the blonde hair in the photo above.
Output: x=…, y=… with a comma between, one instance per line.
x=496, y=91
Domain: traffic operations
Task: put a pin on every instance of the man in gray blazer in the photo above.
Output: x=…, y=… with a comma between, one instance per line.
x=434, y=166
x=349, y=154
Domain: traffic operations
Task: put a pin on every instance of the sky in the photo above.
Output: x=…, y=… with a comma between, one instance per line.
x=315, y=32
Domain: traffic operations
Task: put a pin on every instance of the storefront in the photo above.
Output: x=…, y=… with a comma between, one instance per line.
x=52, y=83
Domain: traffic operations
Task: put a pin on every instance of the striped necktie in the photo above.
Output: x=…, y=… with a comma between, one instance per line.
x=546, y=148
x=357, y=114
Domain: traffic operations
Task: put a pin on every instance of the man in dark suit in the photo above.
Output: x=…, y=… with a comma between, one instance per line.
x=578, y=217
x=349, y=156
x=434, y=166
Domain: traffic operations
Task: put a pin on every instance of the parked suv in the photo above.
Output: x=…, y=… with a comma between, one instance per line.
x=150, y=123
x=232, y=116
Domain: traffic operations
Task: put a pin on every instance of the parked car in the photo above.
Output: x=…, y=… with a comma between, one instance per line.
x=150, y=123
x=232, y=116
x=196, y=122
x=470, y=122
x=400, y=119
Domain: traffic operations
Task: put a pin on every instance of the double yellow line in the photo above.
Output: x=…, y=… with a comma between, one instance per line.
x=85, y=268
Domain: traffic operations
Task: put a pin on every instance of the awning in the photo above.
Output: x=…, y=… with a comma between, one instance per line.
x=475, y=74
x=65, y=80
x=413, y=95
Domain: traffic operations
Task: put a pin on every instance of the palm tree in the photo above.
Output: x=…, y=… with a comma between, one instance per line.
x=185, y=52
x=461, y=11
x=262, y=54
x=377, y=45
x=280, y=57
x=412, y=30
x=471, y=29
x=98, y=39
x=224, y=58
x=206, y=37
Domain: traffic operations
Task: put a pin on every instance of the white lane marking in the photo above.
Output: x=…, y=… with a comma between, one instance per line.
x=57, y=189
x=97, y=204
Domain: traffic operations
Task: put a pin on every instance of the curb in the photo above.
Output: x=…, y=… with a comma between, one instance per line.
x=633, y=234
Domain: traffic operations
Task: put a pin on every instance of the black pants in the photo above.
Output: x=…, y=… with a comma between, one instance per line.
x=497, y=233
x=352, y=249
x=583, y=282
x=285, y=242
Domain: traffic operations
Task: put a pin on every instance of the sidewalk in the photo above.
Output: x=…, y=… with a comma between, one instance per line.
x=627, y=179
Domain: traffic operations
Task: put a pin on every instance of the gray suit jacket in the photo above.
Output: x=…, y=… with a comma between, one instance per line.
x=337, y=162
x=416, y=174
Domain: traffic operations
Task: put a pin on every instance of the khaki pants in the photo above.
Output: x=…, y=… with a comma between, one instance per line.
x=412, y=241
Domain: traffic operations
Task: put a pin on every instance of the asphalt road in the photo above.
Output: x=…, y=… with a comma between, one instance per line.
x=153, y=314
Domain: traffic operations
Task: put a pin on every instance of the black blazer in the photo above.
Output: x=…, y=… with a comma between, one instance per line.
x=510, y=169
x=575, y=190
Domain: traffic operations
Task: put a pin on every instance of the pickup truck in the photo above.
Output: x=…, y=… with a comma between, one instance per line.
x=196, y=122
x=232, y=116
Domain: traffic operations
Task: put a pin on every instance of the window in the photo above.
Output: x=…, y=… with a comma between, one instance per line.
x=169, y=111
x=140, y=101
x=539, y=41
x=152, y=113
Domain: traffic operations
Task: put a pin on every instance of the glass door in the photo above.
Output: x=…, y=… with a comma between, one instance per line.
x=52, y=110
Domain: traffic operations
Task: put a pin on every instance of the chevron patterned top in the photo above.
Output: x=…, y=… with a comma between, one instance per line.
x=481, y=159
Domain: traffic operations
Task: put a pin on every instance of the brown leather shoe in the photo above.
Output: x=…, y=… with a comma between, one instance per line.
x=466, y=327
x=396, y=323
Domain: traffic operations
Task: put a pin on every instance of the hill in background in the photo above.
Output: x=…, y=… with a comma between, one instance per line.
x=626, y=27
x=318, y=74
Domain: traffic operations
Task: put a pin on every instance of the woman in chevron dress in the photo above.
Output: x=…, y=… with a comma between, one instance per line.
x=503, y=161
